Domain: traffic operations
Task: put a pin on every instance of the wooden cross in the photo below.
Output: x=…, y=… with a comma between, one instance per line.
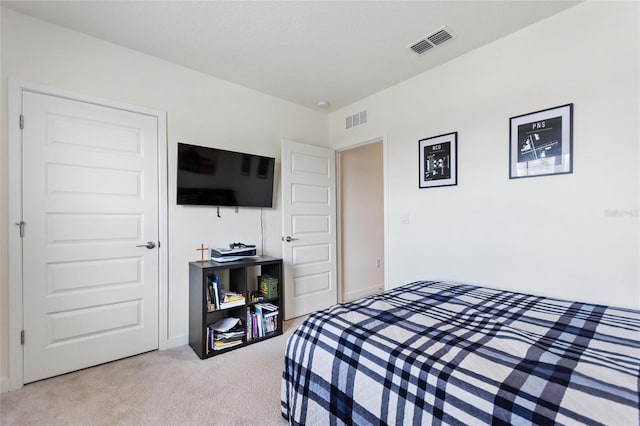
x=201, y=250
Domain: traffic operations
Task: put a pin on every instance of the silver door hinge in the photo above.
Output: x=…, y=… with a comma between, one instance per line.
x=21, y=224
x=22, y=337
x=21, y=121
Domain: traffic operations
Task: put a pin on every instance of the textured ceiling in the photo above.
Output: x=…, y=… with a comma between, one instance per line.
x=339, y=51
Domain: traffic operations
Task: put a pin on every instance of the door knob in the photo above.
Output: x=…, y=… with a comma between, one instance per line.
x=149, y=245
x=289, y=239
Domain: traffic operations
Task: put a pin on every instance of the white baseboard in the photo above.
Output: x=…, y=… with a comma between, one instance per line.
x=363, y=293
x=5, y=385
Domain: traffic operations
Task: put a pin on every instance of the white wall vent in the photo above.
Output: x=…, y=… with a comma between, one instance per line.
x=436, y=38
x=355, y=120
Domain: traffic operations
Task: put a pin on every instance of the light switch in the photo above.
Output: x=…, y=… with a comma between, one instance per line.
x=405, y=218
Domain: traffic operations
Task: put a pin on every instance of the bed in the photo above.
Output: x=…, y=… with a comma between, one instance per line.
x=446, y=353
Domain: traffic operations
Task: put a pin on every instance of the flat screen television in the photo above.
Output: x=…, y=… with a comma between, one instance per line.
x=215, y=177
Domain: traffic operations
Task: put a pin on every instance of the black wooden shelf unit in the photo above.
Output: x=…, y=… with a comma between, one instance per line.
x=240, y=277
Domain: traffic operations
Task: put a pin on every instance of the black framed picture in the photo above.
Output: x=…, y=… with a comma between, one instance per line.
x=541, y=143
x=438, y=161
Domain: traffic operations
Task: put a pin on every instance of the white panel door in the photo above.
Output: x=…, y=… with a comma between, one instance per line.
x=90, y=205
x=309, y=227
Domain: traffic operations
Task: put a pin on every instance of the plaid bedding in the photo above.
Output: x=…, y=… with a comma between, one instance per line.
x=445, y=353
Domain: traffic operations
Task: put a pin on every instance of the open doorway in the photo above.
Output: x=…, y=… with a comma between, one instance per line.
x=361, y=220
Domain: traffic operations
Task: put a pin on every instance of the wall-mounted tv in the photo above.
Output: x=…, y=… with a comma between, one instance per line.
x=215, y=177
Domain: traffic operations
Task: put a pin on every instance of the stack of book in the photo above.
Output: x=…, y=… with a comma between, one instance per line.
x=218, y=298
x=262, y=319
x=226, y=333
x=230, y=299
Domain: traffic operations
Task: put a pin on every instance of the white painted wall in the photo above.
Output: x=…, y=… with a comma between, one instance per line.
x=552, y=235
x=200, y=110
x=361, y=220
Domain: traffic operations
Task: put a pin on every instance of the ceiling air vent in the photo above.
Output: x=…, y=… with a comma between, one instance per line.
x=421, y=46
x=355, y=120
x=440, y=37
x=432, y=40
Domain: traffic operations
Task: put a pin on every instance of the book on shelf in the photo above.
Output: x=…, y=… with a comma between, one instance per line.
x=269, y=307
x=207, y=341
x=254, y=322
x=230, y=299
x=249, y=326
x=229, y=337
x=209, y=297
x=213, y=292
x=227, y=305
x=258, y=310
x=217, y=345
x=216, y=291
x=231, y=296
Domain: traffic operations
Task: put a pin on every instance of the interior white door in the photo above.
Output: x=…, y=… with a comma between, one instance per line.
x=90, y=205
x=309, y=228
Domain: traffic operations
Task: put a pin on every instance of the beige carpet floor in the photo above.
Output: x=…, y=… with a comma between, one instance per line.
x=172, y=387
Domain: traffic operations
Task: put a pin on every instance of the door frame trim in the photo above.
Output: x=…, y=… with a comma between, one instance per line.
x=15, y=258
x=385, y=190
x=340, y=250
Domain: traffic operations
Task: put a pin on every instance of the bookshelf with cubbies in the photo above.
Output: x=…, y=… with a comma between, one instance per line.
x=234, y=304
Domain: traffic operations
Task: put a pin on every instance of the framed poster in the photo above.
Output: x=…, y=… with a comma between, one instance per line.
x=541, y=143
x=438, y=161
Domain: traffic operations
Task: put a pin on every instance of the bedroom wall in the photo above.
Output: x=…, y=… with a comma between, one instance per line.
x=571, y=236
x=200, y=110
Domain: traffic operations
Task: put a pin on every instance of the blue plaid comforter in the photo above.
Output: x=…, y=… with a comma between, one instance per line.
x=446, y=353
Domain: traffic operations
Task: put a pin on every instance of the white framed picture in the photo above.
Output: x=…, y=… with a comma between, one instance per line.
x=541, y=143
x=438, y=161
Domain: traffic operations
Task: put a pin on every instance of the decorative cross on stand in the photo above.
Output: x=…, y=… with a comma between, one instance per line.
x=201, y=250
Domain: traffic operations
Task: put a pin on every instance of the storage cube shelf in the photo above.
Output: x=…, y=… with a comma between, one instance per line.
x=261, y=311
